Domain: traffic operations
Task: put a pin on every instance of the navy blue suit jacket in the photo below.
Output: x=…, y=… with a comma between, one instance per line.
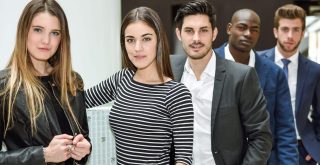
x=307, y=97
x=275, y=88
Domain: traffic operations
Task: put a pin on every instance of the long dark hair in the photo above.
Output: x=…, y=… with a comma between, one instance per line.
x=152, y=19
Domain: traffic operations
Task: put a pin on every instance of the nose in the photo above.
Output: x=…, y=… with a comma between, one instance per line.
x=45, y=38
x=196, y=36
x=290, y=33
x=247, y=32
x=138, y=46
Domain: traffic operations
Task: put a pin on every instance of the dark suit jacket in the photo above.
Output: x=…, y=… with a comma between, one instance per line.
x=307, y=96
x=276, y=90
x=239, y=121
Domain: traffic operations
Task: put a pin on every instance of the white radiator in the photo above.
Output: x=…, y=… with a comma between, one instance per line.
x=102, y=139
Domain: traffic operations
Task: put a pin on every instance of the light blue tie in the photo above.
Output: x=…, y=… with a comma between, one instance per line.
x=285, y=66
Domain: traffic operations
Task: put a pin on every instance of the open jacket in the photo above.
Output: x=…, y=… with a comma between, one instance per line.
x=307, y=98
x=240, y=129
x=22, y=147
x=276, y=90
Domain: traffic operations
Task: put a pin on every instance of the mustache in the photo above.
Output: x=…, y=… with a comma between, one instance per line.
x=198, y=43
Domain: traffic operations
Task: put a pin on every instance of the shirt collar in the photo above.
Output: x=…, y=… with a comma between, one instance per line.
x=228, y=56
x=278, y=57
x=210, y=68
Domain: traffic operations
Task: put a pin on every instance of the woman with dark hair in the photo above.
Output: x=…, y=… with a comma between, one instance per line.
x=42, y=112
x=151, y=111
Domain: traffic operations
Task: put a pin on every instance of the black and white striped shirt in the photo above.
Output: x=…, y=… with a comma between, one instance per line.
x=145, y=117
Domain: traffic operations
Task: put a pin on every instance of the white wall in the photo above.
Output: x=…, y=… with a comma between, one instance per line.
x=94, y=28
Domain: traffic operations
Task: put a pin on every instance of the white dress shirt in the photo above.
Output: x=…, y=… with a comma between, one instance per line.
x=228, y=56
x=292, y=79
x=202, y=92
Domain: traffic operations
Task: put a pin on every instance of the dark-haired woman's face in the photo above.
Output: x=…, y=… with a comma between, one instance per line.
x=141, y=45
x=44, y=37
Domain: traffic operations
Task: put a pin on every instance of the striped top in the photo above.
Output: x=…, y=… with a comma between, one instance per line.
x=145, y=117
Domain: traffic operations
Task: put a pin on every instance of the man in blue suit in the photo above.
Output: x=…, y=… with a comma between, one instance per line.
x=303, y=78
x=243, y=31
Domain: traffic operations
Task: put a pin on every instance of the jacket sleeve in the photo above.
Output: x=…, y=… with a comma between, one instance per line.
x=23, y=156
x=255, y=120
x=285, y=133
x=316, y=110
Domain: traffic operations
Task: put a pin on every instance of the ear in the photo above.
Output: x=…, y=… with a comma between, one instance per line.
x=214, y=34
x=275, y=32
x=229, y=25
x=178, y=33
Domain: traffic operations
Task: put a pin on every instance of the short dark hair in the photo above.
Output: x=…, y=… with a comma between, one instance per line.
x=290, y=11
x=194, y=8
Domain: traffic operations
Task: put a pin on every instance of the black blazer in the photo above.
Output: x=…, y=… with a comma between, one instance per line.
x=240, y=131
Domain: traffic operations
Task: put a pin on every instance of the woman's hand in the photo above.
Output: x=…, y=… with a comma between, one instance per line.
x=81, y=147
x=59, y=149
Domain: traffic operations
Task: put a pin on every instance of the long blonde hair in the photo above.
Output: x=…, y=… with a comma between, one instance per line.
x=23, y=74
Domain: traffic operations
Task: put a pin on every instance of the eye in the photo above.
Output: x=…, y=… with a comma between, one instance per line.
x=204, y=30
x=188, y=30
x=146, y=39
x=241, y=28
x=297, y=29
x=284, y=29
x=55, y=33
x=36, y=29
x=130, y=40
x=256, y=30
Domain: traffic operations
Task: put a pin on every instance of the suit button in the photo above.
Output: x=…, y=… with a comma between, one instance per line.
x=215, y=152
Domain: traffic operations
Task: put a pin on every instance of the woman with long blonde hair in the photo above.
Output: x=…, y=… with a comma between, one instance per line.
x=42, y=112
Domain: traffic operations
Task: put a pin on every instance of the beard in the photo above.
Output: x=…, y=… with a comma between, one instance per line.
x=287, y=50
x=197, y=55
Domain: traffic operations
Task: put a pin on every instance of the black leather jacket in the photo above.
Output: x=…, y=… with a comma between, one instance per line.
x=22, y=147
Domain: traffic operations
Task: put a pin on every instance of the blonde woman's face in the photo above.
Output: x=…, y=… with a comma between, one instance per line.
x=141, y=45
x=44, y=37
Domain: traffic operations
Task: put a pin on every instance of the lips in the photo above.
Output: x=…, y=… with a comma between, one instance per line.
x=138, y=57
x=43, y=49
x=246, y=42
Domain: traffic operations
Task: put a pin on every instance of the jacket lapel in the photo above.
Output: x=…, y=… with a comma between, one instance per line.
x=270, y=54
x=303, y=71
x=262, y=71
x=220, y=75
x=177, y=65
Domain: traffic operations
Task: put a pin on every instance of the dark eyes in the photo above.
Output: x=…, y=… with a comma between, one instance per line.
x=131, y=40
x=40, y=30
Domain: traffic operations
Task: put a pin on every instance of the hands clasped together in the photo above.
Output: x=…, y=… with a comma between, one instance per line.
x=62, y=147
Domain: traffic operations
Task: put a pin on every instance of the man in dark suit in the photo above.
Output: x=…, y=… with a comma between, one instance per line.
x=303, y=78
x=243, y=31
x=231, y=124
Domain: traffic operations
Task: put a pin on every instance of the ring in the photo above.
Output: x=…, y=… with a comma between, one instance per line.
x=69, y=147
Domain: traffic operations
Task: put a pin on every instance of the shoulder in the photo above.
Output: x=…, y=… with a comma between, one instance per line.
x=269, y=65
x=309, y=63
x=4, y=75
x=178, y=58
x=266, y=51
x=178, y=88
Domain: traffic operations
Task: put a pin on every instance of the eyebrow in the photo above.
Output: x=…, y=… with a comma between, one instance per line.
x=143, y=35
